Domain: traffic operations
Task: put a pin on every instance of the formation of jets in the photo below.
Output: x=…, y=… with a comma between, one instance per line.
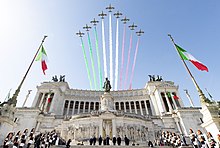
x=117, y=15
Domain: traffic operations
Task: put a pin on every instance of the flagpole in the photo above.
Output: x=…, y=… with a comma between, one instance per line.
x=13, y=100
x=203, y=99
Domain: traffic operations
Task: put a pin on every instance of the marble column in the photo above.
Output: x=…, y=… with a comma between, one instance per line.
x=89, y=107
x=74, y=102
x=145, y=104
x=130, y=107
x=101, y=128
x=79, y=107
x=135, y=107
x=168, y=102
x=114, y=127
x=141, y=108
x=41, y=101
x=84, y=107
x=125, y=106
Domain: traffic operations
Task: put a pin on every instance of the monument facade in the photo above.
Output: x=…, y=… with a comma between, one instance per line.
x=140, y=114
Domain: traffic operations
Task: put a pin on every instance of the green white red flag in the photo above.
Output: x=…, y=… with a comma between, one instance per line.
x=187, y=56
x=42, y=56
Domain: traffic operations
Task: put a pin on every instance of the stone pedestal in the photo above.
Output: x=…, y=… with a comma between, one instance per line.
x=211, y=120
x=107, y=102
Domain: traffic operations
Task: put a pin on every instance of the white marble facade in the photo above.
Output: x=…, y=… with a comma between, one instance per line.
x=140, y=114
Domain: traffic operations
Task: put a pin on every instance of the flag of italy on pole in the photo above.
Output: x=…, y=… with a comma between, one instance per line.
x=42, y=56
x=186, y=56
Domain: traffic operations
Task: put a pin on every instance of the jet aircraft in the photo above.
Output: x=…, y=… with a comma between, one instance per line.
x=140, y=32
x=80, y=34
x=94, y=22
x=87, y=27
x=110, y=8
x=133, y=26
x=125, y=20
x=102, y=15
x=117, y=14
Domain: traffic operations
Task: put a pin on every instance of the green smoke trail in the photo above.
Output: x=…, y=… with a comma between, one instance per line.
x=99, y=66
x=87, y=65
x=92, y=61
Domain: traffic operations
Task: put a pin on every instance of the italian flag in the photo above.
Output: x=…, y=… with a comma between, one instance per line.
x=42, y=56
x=186, y=56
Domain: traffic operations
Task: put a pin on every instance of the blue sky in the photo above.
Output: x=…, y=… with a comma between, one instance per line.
x=194, y=26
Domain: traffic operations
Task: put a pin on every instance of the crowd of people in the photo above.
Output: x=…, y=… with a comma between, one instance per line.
x=26, y=139
x=106, y=140
x=202, y=140
x=47, y=139
x=171, y=139
x=198, y=140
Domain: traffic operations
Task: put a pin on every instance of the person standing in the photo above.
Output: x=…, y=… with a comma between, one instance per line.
x=119, y=140
x=107, y=140
x=193, y=138
x=211, y=140
x=126, y=140
x=94, y=140
x=68, y=143
x=114, y=140
x=100, y=140
x=91, y=141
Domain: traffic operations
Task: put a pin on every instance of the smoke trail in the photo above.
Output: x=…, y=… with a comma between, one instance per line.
x=92, y=61
x=116, y=58
x=134, y=62
x=110, y=48
x=87, y=65
x=128, y=62
x=104, y=50
x=97, y=53
x=122, y=56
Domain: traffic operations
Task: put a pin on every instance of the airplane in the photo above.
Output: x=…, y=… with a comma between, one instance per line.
x=117, y=14
x=102, y=15
x=80, y=34
x=110, y=8
x=87, y=27
x=140, y=32
x=133, y=26
x=94, y=22
x=125, y=20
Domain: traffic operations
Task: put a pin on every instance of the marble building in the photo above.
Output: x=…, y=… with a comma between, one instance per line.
x=140, y=114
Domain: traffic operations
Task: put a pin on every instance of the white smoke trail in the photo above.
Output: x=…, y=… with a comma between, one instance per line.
x=122, y=57
x=116, y=58
x=104, y=50
x=110, y=48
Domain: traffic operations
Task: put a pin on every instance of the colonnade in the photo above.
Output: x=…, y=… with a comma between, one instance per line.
x=142, y=107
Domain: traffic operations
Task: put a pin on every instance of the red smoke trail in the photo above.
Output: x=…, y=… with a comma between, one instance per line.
x=134, y=62
x=128, y=62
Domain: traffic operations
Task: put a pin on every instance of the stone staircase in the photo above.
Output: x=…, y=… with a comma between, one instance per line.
x=114, y=146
